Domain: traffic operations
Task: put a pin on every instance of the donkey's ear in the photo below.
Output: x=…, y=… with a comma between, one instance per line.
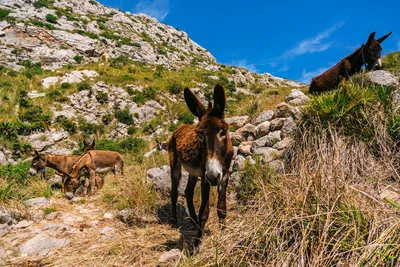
x=219, y=102
x=193, y=103
x=370, y=38
x=36, y=153
x=383, y=38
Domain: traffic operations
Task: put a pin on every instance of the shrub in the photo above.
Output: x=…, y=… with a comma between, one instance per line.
x=8, y=130
x=32, y=69
x=102, y=97
x=66, y=124
x=125, y=145
x=107, y=118
x=90, y=128
x=51, y=18
x=65, y=85
x=120, y=62
x=4, y=13
x=35, y=114
x=18, y=173
x=83, y=86
x=132, y=130
x=175, y=88
x=43, y=3
x=78, y=59
x=124, y=116
x=186, y=117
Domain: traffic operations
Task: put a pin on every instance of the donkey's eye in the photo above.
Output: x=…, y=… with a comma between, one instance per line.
x=222, y=134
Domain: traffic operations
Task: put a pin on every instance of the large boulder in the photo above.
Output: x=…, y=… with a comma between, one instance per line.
x=383, y=78
x=36, y=202
x=266, y=115
x=297, y=98
x=237, y=122
x=160, y=178
x=242, y=134
x=268, y=154
x=41, y=245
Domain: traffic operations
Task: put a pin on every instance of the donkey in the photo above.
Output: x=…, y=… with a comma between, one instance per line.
x=205, y=150
x=368, y=54
x=95, y=161
x=62, y=164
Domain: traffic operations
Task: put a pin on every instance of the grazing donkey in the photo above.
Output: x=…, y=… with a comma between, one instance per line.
x=95, y=161
x=62, y=164
x=205, y=150
x=368, y=54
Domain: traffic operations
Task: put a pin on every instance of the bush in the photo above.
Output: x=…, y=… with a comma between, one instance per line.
x=175, y=88
x=32, y=69
x=78, y=59
x=66, y=124
x=56, y=96
x=120, y=62
x=102, y=97
x=107, y=118
x=90, y=128
x=18, y=173
x=4, y=13
x=129, y=144
x=124, y=116
x=66, y=85
x=51, y=18
x=186, y=117
x=43, y=3
x=83, y=86
x=35, y=114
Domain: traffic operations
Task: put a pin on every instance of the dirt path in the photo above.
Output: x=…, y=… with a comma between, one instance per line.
x=82, y=233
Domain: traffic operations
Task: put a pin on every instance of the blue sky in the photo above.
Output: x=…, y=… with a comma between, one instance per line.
x=287, y=38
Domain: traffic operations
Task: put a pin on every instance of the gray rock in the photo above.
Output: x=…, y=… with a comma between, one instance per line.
x=3, y=159
x=236, y=179
x=171, y=256
x=266, y=115
x=107, y=233
x=4, y=229
x=268, y=154
x=283, y=110
x=245, y=148
x=277, y=124
x=5, y=217
x=273, y=138
x=383, y=78
x=297, y=98
x=52, y=216
x=41, y=245
x=126, y=216
x=36, y=202
x=284, y=144
x=239, y=163
x=237, y=122
x=262, y=129
x=160, y=178
x=278, y=166
x=289, y=126
x=23, y=224
x=242, y=134
x=41, y=141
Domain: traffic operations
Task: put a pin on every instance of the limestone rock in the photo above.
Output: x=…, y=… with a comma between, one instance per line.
x=266, y=115
x=171, y=256
x=42, y=244
x=160, y=178
x=383, y=78
x=36, y=202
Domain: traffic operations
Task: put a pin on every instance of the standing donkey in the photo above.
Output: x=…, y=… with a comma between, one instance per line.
x=368, y=54
x=205, y=150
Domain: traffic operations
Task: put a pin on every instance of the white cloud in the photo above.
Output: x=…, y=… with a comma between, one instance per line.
x=318, y=43
x=243, y=63
x=158, y=9
x=307, y=76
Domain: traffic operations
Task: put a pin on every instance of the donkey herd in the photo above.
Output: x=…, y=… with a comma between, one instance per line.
x=204, y=150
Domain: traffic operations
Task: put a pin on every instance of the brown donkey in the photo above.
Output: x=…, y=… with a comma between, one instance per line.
x=368, y=55
x=205, y=150
x=95, y=161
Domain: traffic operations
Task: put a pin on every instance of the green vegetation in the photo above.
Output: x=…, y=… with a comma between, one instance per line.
x=44, y=3
x=78, y=59
x=124, y=116
x=51, y=18
x=4, y=13
x=391, y=61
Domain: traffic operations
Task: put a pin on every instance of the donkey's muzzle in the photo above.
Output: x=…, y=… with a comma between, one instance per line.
x=32, y=172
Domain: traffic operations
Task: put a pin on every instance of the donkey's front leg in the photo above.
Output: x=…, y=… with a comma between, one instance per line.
x=204, y=208
x=221, y=206
x=175, y=178
x=189, y=192
x=92, y=182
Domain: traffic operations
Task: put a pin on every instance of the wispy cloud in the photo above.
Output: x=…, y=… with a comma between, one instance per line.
x=308, y=75
x=158, y=9
x=243, y=63
x=318, y=43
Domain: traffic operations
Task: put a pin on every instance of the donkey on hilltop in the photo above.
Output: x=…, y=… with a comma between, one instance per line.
x=205, y=150
x=369, y=54
x=95, y=161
